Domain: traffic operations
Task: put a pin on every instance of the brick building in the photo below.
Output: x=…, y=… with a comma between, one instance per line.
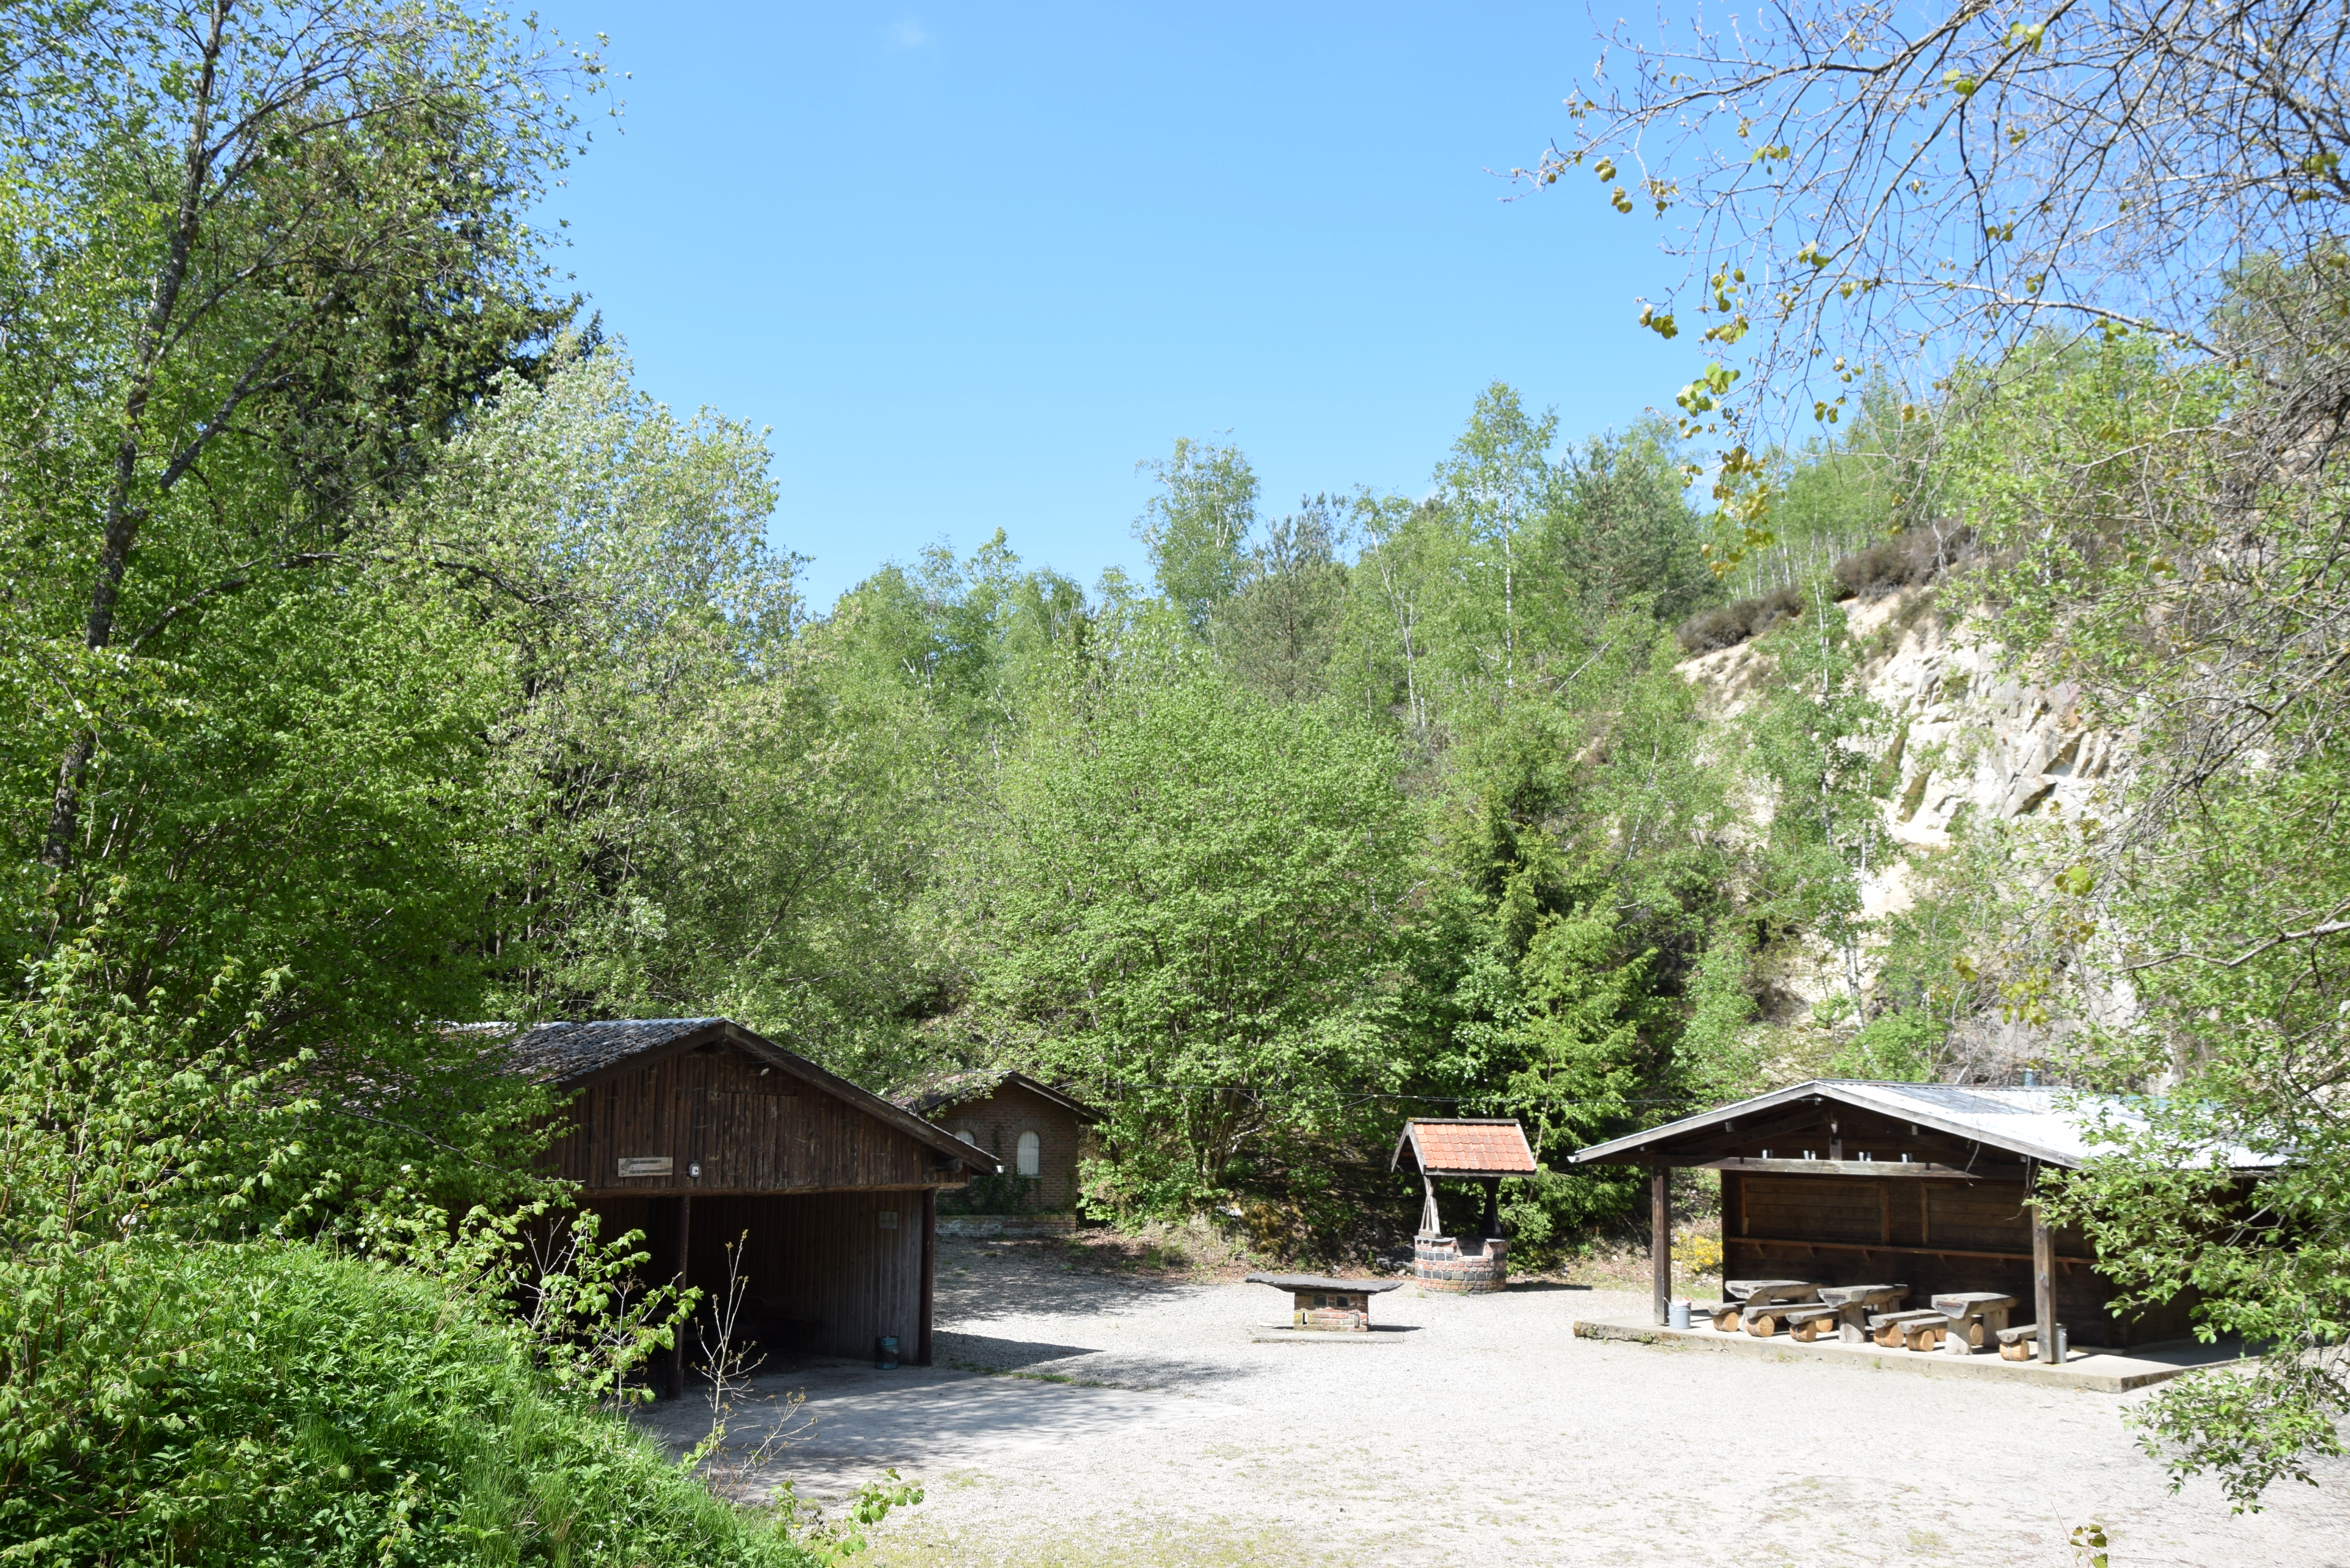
x=1035, y=1131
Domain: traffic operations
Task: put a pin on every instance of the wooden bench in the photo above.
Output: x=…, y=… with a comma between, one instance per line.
x=1723, y=1314
x=1855, y=1302
x=1976, y=1318
x=1915, y=1330
x=2020, y=1343
x=1763, y=1322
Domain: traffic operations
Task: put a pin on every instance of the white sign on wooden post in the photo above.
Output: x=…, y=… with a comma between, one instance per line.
x=658, y=1166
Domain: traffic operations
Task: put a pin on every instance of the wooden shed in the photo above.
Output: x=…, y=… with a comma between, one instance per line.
x=1843, y=1182
x=1033, y=1130
x=702, y=1134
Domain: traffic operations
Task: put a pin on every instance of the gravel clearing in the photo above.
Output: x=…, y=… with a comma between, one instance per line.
x=1076, y=1417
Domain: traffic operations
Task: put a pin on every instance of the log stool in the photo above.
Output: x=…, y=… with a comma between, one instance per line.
x=1916, y=1330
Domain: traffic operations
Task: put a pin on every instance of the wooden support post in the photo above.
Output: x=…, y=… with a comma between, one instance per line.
x=684, y=1239
x=930, y=1274
x=1431, y=1223
x=2044, y=1281
x=1661, y=1237
x=1491, y=1224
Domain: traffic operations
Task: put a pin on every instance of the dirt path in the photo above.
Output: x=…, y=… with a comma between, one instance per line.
x=1075, y=1418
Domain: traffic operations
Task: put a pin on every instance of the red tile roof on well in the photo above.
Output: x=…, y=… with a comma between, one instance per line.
x=1496, y=1147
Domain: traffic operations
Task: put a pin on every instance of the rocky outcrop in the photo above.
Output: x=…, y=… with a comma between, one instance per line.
x=1965, y=741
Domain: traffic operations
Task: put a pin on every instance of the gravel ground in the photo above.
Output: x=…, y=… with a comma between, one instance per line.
x=1078, y=1418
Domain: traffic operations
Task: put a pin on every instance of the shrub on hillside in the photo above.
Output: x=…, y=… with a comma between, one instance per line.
x=1903, y=561
x=276, y=1404
x=1733, y=623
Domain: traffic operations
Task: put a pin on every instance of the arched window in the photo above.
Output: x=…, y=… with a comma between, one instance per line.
x=967, y=1136
x=1031, y=1153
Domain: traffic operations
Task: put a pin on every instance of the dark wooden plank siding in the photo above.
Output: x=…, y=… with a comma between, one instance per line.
x=750, y=1125
x=1823, y=1208
x=822, y=1274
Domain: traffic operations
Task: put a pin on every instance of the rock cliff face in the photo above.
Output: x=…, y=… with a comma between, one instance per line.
x=1970, y=742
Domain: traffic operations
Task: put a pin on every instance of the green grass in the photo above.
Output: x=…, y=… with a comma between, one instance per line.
x=265, y=1405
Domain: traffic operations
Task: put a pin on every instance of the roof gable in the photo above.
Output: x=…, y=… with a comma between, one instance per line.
x=943, y=1091
x=1463, y=1145
x=2051, y=1125
x=571, y=1055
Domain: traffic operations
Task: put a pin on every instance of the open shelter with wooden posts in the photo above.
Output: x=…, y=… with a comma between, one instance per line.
x=1842, y=1184
x=706, y=1136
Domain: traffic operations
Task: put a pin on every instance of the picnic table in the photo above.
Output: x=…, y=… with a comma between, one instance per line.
x=1854, y=1304
x=1958, y=1322
x=1760, y=1306
x=1976, y=1318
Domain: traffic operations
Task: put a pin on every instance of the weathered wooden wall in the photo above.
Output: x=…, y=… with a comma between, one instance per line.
x=1932, y=1235
x=751, y=1127
x=823, y=1276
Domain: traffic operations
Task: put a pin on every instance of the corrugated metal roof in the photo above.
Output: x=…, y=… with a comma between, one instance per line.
x=1464, y=1145
x=2053, y=1126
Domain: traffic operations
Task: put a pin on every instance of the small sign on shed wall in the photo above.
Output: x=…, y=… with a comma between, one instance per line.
x=888, y=1218
x=660, y=1165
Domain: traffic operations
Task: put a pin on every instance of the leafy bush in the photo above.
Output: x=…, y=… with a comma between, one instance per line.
x=1903, y=1047
x=269, y=1403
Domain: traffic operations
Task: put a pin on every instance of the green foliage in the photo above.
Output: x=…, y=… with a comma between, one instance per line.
x=1893, y=1047
x=270, y=1403
x=1196, y=526
x=1192, y=909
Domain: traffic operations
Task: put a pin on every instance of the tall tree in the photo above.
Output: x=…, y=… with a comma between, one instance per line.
x=275, y=246
x=1498, y=481
x=1195, y=528
x=1192, y=908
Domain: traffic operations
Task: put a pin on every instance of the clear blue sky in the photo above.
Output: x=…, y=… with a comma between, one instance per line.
x=972, y=263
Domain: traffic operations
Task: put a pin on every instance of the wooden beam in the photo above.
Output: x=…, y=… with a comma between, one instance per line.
x=1661, y=1237
x=1865, y=1247
x=1868, y=1168
x=2044, y=1281
x=930, y=1275
x=677, y=1351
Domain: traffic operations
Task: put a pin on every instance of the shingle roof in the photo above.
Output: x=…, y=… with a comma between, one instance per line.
x=1463, y=1145
x=954, y=1087
x=563, y=1054
x=2049, y=1125
x=560, y=1053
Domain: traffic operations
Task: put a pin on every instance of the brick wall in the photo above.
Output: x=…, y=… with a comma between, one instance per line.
x=995, y=1124
x=1467, y=1267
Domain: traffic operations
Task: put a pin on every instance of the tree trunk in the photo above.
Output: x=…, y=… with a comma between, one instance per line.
x=122, y=518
